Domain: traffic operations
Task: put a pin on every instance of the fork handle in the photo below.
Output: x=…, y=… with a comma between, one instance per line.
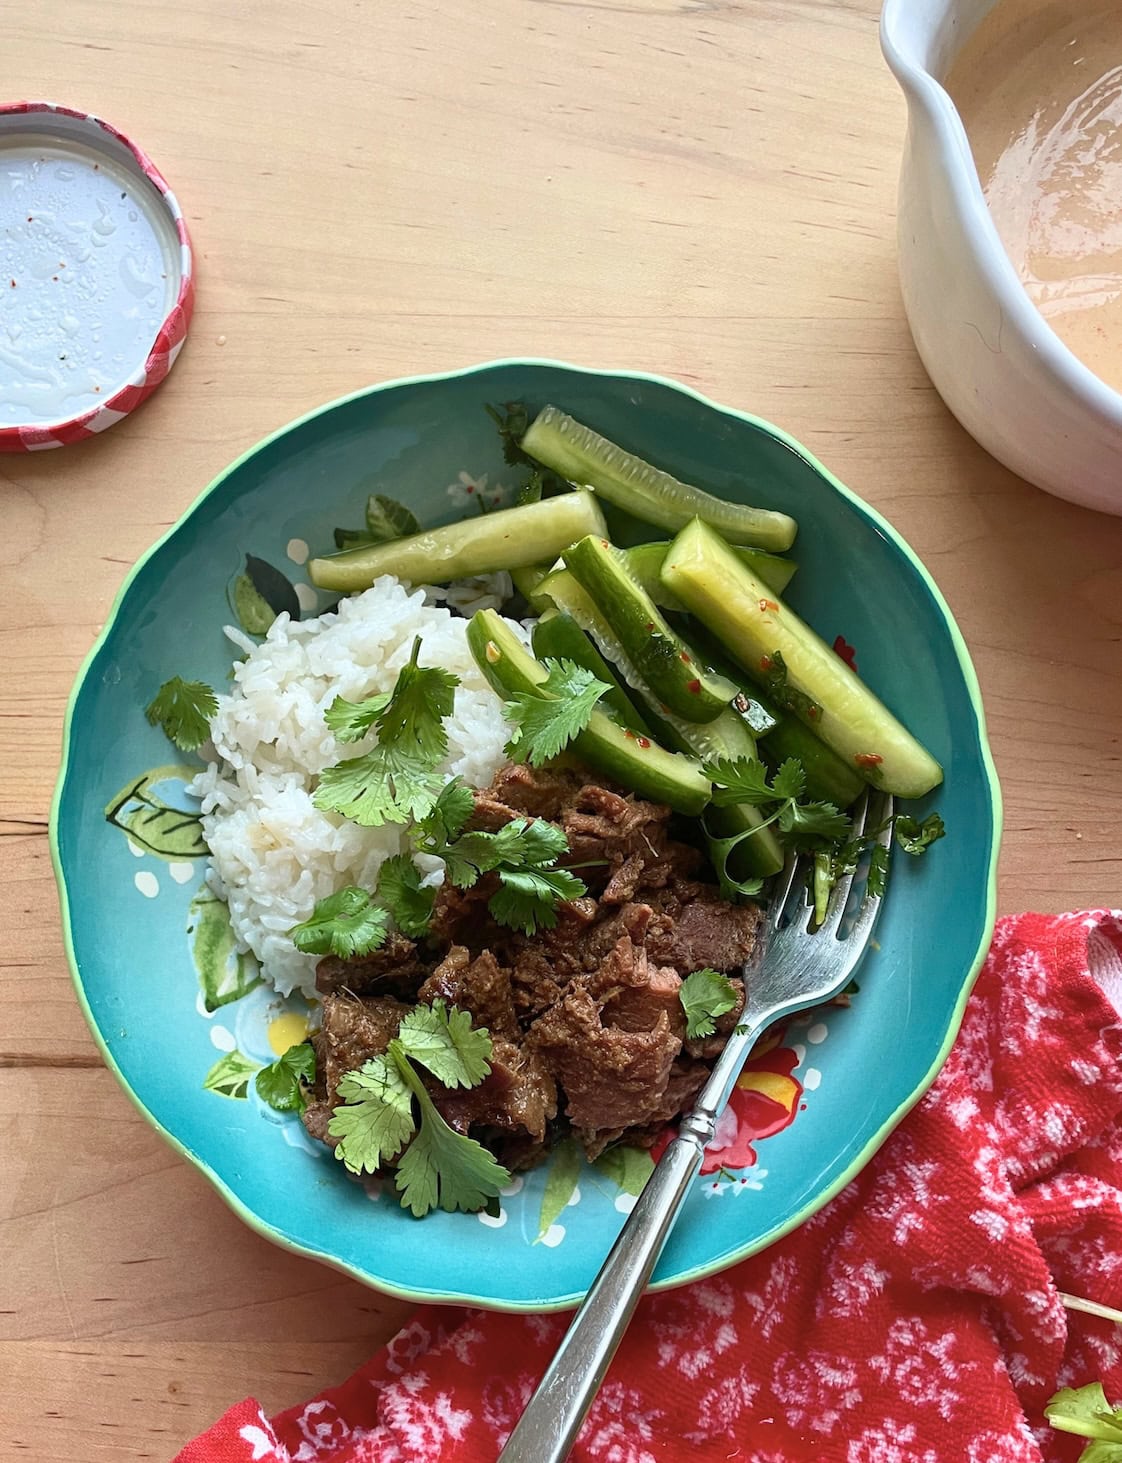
x=548, y=1428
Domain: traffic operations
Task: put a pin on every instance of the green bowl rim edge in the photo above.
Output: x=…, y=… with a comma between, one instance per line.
x=700, y=1272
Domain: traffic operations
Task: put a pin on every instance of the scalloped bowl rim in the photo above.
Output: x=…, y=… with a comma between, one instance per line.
x=861, y=1158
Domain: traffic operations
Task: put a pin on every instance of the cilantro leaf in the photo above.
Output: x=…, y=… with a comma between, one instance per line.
x=349, y=721
x=915, y=837
x=813, y=821
x=705, y=995
x=878, y=870
x=443, y=1167
x=523, y=853
x=376, y=1116
x=382, y=786
x=547, y=719
x=530, y=840
x=789, y=780
x=346, y=923
x=413, y=718
x=280, y=1084
x=527, y=898
x=744, y=781
x=399, y=889
x=444, y=1041
x=395, y=781
x=1085, y=1412
x=183, y=709
x=513, y=421
x=449, y=813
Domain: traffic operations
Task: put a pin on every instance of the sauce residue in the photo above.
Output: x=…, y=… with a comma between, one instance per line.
x=1039, y=89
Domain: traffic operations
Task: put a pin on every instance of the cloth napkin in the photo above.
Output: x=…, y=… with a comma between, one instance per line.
x=916, y=1318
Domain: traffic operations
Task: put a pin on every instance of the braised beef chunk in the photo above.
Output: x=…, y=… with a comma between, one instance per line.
x=588, y=1032
x=353, y=1031
x=518, y=1096
x=394, y=970
x=611, y=1077
x=478, y=985
x=694, y=928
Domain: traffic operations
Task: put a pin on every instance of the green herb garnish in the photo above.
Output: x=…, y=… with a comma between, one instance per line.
x=804, y=824
x=705, y=995
x=281, y=1083
x=775, y=676
x=523, y=854
x=347, y=923
x=386, y=1105
x=396, y=781
x=548, y=718
x=183, y=709
x=400, y=890
x=1085, y=1412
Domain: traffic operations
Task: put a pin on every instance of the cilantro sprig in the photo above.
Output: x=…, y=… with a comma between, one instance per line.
x=1085, y=1412
x=523, y=853
x=397, y=780
x=281, y=1084
x=554, y=713
x=387, y=1106
x=183, y=709
x=705, y=995
x=347, y=923
x=805, y=824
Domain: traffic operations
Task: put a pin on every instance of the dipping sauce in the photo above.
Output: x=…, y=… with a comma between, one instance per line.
x=1039, y=89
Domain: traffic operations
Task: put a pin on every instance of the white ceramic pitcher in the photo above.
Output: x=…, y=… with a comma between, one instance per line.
x=1002, y=370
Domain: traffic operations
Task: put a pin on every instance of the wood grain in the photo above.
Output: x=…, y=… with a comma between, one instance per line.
x=705, y=190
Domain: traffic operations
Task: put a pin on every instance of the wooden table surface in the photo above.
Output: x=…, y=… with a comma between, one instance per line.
x=706, y=191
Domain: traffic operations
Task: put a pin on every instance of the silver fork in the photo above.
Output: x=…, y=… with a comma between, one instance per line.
x=801, y=966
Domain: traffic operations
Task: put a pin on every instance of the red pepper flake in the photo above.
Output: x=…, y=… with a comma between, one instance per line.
x=846, y=652
x=629, y=733
x=97, y=388
x=765, y=662
x=767, y=604
x=694, y=688
x=605, y=542
x=650, y=624
x=868, y=759
x=13, y=284
x=644, y=742
x=814, y=712
x=684, y=658
x=29, y=218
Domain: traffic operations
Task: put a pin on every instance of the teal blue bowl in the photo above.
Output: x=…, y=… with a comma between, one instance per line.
x=184, y=1022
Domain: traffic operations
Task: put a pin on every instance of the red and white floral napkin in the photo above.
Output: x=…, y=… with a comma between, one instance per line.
x=916, y=1319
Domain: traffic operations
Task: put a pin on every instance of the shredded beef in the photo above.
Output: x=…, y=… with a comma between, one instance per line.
x=588, y=1033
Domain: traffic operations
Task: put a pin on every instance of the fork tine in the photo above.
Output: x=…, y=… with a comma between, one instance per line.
x=839, y=896
x=782, y=891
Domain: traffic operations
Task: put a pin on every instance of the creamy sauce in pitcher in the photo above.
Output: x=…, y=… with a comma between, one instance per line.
x=1039, y=89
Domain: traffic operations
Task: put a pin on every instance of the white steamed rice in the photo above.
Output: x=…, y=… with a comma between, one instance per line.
x=273, y=853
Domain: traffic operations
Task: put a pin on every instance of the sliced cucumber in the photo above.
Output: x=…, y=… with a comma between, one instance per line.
x=583, y=456
x=662, y=659
x=507, y=539
x=635, y=762
x=828, y=778
x=741, y=610
x=557, y=636
x=645, y=563
x=781, y=733
x=526, y=580
x=725, y=736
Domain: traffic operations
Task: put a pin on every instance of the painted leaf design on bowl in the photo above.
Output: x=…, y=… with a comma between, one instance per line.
x=154, y=824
